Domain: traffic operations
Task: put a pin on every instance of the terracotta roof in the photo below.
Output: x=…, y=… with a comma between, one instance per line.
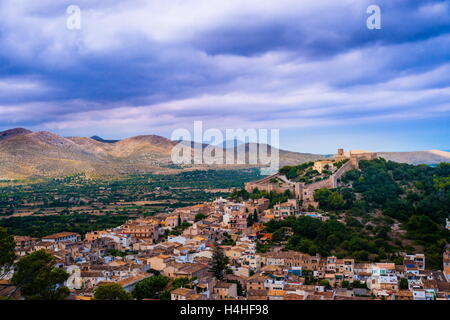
x=134, y=279
x=183, y=292
x=61, y=235
x=276, y=293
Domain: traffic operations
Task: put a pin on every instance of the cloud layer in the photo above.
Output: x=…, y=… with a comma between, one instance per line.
x=149, y=66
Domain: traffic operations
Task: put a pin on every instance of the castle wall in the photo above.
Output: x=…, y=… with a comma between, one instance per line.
x=346, y=167
x=306, y=192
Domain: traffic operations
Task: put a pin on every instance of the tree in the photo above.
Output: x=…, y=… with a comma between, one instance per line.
x=7, y=252
x=336, y=201
x=199, y=216
x=403, y=283
x=359, y=284
x=111, y=291
x=38, y=279
x=325, y=283
x=255, y=216
x=279, y=235
x=165, y=295
x=250, y=220
x=219, y=262
x=181, y=282
x=150, y=288
x=329, y=200
x=179, y=220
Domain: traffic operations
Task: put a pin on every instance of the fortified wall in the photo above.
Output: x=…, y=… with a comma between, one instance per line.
x=305, y=192
x=281, y=185
x=330, y=183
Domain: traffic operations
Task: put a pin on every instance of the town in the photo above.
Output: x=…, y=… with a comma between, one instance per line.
x=182, y=244
x=240, y=247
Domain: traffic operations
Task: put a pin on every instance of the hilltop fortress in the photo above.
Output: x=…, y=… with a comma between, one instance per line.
x=337, y=166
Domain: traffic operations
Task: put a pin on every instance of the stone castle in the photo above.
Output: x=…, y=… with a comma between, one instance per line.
x=305, y=192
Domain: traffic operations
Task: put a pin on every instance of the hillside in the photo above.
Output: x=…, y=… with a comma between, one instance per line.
x=417, y=157
x=376, y=212
x=26, y=154
x=402, y=207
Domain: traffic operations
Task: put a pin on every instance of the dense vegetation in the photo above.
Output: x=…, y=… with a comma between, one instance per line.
x=45, y=225
x=416, y=196
x=78, y=204
x=111, y=291
x=7, y=252
x=159, y=287
x=385, y=193
x=312, y=236
x=292, y=172
x=181, y=189
x=38, y=279
x=150, y=288
x=305, y=172
x=274, y=197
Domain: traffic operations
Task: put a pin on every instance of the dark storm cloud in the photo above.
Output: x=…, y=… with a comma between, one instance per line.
x=252, y=61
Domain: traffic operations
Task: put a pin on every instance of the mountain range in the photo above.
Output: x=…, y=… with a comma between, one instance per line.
x=25, y=154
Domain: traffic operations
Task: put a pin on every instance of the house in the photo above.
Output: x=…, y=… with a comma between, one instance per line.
x=443, y=290
x=234, y=253
x=414, y=262
x=191, y=270
x=419, y=294
x=225, y=290
x=256, y=282
x=182, y=294
x=178, y=239
x=383, y=285
x=90, y=279
x=382, y=268
x=403, y=295
x=128, y=284
x=388, y=283
x=171, y=221
x=94, y=235
x=159, y=262
x=286, y=209
x=24, y=241
x=238, y=221
x=62, y=236
x=290, y=259
x=142, y=230
x=274, y=283
x=323, y=165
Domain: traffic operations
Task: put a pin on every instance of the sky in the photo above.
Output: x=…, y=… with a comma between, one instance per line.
x=309, y=68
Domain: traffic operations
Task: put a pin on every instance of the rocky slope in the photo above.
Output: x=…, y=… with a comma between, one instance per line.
x=25, y=154
x=417, y=157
